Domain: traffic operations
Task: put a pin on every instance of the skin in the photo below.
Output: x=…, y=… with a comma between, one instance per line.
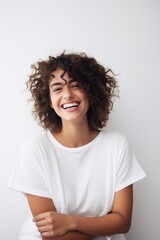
x=75, y=133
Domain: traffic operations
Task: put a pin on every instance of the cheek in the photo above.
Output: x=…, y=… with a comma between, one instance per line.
x=51, y=102
x=86, y=100
x=54, y=101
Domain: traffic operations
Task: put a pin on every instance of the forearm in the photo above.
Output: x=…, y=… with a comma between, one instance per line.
x=72, y=235
x=116, y=222
x=109, y=224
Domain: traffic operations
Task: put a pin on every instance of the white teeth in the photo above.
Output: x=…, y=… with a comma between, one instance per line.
x=69, y=105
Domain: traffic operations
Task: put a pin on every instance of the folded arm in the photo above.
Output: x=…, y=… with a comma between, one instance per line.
x=116, y=222
x=57, y=226
x=46, y=206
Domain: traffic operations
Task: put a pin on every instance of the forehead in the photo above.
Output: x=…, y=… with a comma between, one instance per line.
x=59, y=75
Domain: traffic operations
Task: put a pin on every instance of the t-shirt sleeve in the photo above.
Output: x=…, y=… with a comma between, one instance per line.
x=28, y=175
x=129, y=170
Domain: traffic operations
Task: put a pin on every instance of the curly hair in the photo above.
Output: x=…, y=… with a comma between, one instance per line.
x=98, y=82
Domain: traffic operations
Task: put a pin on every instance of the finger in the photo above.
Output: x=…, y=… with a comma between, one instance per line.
x=38, y=218
x=41, y=223
x=47, y=229
x=41, y=216
x=48, y=234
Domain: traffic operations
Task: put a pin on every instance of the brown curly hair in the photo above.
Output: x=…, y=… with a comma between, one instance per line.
x=99, y=83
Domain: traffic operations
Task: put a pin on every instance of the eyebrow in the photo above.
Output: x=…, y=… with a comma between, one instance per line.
x=56, y=84
x=61, y=83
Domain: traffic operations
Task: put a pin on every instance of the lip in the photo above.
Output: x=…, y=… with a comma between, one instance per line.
x=77, y=103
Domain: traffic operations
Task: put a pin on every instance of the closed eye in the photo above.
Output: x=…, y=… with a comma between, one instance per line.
x=75, y=84
x=57, y=89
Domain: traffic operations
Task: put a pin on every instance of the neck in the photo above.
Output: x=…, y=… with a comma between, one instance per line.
x=75, y=136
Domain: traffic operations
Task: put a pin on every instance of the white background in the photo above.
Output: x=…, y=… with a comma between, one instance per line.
x=123, y=35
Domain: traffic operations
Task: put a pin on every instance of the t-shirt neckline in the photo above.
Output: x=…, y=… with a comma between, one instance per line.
x=76, y=149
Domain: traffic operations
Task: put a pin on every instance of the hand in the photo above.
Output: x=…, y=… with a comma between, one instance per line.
x=53, y=224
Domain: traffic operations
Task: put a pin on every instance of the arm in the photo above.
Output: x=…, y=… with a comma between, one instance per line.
x=116, y=222
x=71, y=236
x=42, y=205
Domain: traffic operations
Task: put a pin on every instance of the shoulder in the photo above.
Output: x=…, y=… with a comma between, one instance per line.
x=35, y=142
x=114, y=138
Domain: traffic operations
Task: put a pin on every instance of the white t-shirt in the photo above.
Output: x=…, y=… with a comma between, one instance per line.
x=80, y=180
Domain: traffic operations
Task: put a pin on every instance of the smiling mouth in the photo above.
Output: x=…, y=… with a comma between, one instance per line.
x=70, y=105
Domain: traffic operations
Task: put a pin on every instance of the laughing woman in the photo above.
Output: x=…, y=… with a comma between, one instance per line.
x=76, y=176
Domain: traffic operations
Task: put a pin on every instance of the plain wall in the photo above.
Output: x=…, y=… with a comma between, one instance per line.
x=123, y=35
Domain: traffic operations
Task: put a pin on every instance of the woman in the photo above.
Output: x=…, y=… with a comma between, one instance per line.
x=77, y=177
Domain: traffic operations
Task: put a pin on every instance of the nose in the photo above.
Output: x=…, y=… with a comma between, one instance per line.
x=67, y=93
